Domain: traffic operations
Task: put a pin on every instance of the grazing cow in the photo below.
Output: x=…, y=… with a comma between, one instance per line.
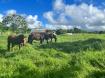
x=41, y=36
x=52, y=36
x=15, y=40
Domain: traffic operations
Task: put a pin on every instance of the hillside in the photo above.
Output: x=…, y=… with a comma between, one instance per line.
x=73, y=56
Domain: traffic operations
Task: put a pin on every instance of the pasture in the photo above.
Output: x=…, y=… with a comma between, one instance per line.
x=73, y=56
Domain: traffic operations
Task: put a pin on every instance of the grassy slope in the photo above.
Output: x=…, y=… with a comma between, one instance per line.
x=76, y=56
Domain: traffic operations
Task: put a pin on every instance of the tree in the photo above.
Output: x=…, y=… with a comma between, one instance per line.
x=1, y=26
x=15, y=23
x=13, y=27
x=77, y=30
x=61, y=31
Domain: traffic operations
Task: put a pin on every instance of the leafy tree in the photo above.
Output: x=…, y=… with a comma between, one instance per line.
x=1, y=26
x=61, y=31
x=13, y=27
x=15, y=23
x=76, y=30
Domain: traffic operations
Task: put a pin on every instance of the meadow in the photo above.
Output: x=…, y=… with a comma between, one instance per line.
x=73, y=56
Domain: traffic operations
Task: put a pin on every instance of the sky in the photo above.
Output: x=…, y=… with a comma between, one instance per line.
x=53, y=14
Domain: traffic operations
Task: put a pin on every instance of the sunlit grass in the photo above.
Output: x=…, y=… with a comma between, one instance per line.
x=74, y=56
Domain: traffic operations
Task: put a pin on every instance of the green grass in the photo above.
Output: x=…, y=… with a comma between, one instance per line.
x=75, y=56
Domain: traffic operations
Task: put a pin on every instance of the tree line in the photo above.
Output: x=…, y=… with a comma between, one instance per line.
x=77, y=30
x=17, y=23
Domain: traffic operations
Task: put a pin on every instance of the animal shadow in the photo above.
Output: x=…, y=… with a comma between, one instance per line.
x=5, y=53
x=77, y=46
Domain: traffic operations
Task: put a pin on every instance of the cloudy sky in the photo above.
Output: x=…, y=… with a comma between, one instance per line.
x=84, y=14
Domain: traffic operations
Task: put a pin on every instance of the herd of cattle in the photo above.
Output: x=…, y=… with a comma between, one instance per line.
x=20, y=39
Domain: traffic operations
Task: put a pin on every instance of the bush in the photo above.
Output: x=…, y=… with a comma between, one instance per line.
x=61, y=31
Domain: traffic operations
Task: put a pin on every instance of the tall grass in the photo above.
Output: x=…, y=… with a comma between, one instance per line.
x=76, y=56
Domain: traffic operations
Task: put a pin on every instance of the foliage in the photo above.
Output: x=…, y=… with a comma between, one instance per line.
x=76, y=30
x=1, y=26
x=61, y=31
x=15, y=23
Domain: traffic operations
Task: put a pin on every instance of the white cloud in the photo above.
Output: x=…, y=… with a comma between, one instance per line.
x=1, y=17
x=33, y=21
x=53, y=27
x=49, y=15
x=58, y=5
x=11, y=12
x=85, y=14
x=76, y=15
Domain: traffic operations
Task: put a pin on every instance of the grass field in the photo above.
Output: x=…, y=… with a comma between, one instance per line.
x=74, y=56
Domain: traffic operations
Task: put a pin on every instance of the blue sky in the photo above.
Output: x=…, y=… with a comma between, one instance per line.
x=45, y=8
x=38, y=7
x=30, y=7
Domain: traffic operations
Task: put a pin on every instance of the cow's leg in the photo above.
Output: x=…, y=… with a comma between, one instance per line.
x=9, y=46
x=47, y=41
x=55, y=39
x=30, y=41
x=51, y=39
x=41, y=41
x=19, y=46
x=12, y=46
